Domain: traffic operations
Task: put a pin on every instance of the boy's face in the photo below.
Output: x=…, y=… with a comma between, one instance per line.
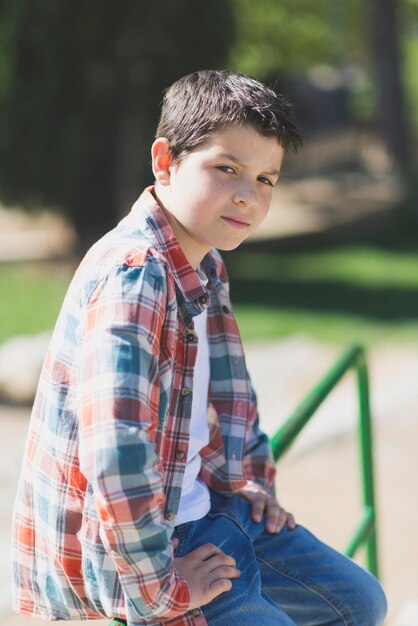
x=220, y=192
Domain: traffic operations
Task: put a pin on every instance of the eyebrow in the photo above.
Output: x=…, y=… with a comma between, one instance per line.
x=233, y=158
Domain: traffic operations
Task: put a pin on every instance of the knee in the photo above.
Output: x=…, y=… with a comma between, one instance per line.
x=379, y=604
x=371, y=606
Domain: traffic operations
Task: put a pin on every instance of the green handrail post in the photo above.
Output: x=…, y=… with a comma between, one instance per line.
x=352, y=358
x=366, y=447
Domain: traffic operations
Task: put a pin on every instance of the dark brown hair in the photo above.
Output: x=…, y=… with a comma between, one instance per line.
x=200, y=104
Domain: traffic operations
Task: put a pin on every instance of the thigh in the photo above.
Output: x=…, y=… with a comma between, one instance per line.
x=316, y=585
x=245, y=604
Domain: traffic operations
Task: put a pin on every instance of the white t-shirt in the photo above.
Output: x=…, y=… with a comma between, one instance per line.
x=195, y=497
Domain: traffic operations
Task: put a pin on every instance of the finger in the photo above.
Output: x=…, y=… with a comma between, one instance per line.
x=223, y=572
x=291, y=524
x=273, y=516
x=219, y=560
x=219, y=586
x=258, y=504
x=175, y=543
x=207, y=551
x=282, y=520
x=221, y=580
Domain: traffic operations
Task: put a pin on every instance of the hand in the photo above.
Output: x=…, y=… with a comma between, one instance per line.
x=208, y=572
x=276, y=516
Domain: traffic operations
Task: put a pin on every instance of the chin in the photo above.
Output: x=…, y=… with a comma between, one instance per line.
x=226, y=247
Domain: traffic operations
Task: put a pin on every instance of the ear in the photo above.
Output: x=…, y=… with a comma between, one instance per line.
x=161, y=160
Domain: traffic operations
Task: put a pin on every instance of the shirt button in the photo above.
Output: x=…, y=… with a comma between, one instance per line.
x=196, y=612
x=225, y=309
x=180, y=454
x=186, y=391
x=190, y=337
x=169, y=517
x=203, y=299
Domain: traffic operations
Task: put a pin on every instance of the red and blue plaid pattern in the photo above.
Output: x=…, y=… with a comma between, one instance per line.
x=108, y=438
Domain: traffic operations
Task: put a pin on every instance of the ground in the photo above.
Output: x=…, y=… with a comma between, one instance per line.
x=318, y=480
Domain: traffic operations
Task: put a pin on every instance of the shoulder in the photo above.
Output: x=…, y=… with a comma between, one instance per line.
x=122, y=265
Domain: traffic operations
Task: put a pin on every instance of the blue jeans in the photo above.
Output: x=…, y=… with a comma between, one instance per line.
x=286, y=578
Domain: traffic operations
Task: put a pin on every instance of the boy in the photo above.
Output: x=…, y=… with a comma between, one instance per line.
x=144, y=439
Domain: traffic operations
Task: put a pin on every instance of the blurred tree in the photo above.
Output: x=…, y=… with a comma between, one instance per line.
x=384, y=26
x=289, y=37
x=407, y=16
x=282, y=37
x=80, y=87
x=284, y=41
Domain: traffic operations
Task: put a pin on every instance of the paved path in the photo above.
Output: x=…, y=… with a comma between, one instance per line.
x=318, y=480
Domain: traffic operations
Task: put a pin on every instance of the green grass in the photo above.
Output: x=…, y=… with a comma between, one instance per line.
x=30, y=297
x=354, y=265
x=270, y=323
x=340, y=295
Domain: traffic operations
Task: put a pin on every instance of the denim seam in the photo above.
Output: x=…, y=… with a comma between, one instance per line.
x=233, y=518
x=312, y=586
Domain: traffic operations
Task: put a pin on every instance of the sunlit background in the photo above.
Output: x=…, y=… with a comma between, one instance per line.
x=334, y=264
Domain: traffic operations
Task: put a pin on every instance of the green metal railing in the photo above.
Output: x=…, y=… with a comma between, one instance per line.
x=353, y=358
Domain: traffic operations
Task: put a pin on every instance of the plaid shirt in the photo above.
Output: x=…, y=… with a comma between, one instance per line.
x=108, y=439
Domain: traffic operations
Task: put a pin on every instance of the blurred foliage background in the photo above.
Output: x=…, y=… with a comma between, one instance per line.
x=80, y=87
x=336, y=259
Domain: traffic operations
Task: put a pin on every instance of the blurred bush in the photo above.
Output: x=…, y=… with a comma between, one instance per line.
x=80, y=86
x=81, y=83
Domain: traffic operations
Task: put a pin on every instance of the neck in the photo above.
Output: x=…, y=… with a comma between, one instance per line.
x=192, y=250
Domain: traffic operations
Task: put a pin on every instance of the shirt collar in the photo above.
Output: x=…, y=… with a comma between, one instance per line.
x=158, y=230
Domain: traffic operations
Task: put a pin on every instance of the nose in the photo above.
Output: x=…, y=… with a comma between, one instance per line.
x=245, y=195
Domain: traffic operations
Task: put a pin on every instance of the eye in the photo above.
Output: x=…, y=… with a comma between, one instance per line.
x=226, y=168
x=265, y=181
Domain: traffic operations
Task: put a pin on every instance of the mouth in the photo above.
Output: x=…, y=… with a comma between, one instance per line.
x=236, y=222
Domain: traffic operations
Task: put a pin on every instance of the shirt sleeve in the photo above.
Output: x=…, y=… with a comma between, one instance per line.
x=259, y=467
x=119, y=395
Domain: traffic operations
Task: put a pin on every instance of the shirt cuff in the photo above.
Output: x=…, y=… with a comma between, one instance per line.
x=177, y=598
x=172, y=600
x=254, y=487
